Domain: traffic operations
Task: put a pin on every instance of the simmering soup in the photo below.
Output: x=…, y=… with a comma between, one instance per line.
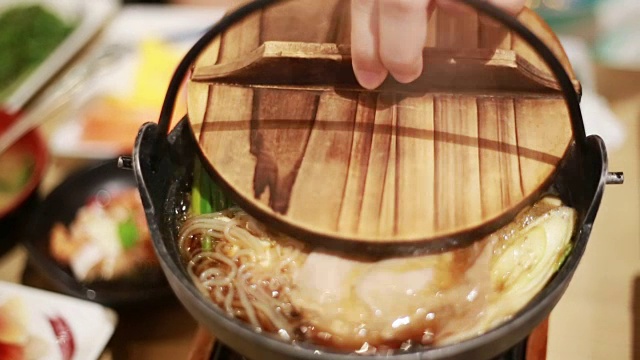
x=277, y=284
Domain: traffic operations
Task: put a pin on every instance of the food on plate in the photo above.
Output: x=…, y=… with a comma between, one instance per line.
x=16, y=168
x=107, y=240
x=28, y=34
x=36, y=325
x=114, y=117
x=277, y=284
x=17, y=343
x=13, y=329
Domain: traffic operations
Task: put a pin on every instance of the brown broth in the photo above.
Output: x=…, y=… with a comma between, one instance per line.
x=454, y=307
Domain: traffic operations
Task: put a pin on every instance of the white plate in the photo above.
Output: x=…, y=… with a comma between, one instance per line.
x=178, y=25
x=91, y=324
x=91, y=16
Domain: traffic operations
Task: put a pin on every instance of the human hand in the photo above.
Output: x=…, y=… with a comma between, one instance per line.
x=387, y=36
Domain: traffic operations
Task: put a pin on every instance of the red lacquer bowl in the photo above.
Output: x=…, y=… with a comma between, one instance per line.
x=13, y=215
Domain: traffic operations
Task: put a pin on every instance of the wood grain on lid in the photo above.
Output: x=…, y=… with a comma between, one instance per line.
x=456, y=153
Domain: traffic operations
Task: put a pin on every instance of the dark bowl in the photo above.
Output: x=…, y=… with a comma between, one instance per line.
x=13, y=217
x=162, y=180
x=61, y=206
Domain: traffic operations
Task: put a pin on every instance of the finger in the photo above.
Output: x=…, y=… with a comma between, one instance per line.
x=511, y=6
x=365, y=57
x=403, y=33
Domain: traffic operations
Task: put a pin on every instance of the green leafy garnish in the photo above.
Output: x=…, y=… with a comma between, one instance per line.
x=28, y=34
x=128, y=233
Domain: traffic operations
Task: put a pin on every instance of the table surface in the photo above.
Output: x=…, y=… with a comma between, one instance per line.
x=598, y=318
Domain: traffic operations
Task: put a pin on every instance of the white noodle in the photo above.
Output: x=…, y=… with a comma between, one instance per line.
x=229, y=300
x=251, y=314
x=219, y=297
x=245, y=273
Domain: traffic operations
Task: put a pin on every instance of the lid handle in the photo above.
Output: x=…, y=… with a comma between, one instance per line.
x=564, y=81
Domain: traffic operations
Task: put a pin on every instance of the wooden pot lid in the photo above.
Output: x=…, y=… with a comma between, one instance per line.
x=283, y=124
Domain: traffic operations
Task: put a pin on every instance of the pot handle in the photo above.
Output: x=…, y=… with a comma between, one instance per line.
x=569, y=93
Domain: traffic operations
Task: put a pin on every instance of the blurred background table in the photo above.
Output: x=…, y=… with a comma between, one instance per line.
x=598, y=318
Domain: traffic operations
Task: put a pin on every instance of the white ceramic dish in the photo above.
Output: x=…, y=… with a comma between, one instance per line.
x=91, y=325
x=179, y=26
x=90, y=17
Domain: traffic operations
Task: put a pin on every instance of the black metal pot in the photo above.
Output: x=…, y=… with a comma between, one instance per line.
x=163, y=164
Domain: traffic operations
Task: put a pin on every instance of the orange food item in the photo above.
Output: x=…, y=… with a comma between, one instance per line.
x=13, y=330
x=114, y=119
x=110, y=122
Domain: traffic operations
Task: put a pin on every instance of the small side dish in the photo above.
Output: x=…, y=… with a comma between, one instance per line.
x=88, y=238
x=13, y=329
x=32, y=32
x=107, y=240
x=37, y=324
x=16, y=341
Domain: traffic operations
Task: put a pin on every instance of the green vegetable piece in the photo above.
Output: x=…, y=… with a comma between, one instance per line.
x=205, y=188
x=128, y=233
x=196, y=197
x=534, y=256
x=28, y=34
x=207, y=243
x=206, y=195
x=219, y=200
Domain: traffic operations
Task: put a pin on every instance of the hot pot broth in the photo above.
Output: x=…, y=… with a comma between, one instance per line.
x=277, y=284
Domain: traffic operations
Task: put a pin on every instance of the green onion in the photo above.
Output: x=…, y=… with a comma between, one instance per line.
x=205, y=189
x=128, y=233
x=206, y=195
x=195, y=191
x=207, y=243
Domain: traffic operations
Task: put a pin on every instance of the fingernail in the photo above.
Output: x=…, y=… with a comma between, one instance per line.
x=370, y=79
x=407, y=76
